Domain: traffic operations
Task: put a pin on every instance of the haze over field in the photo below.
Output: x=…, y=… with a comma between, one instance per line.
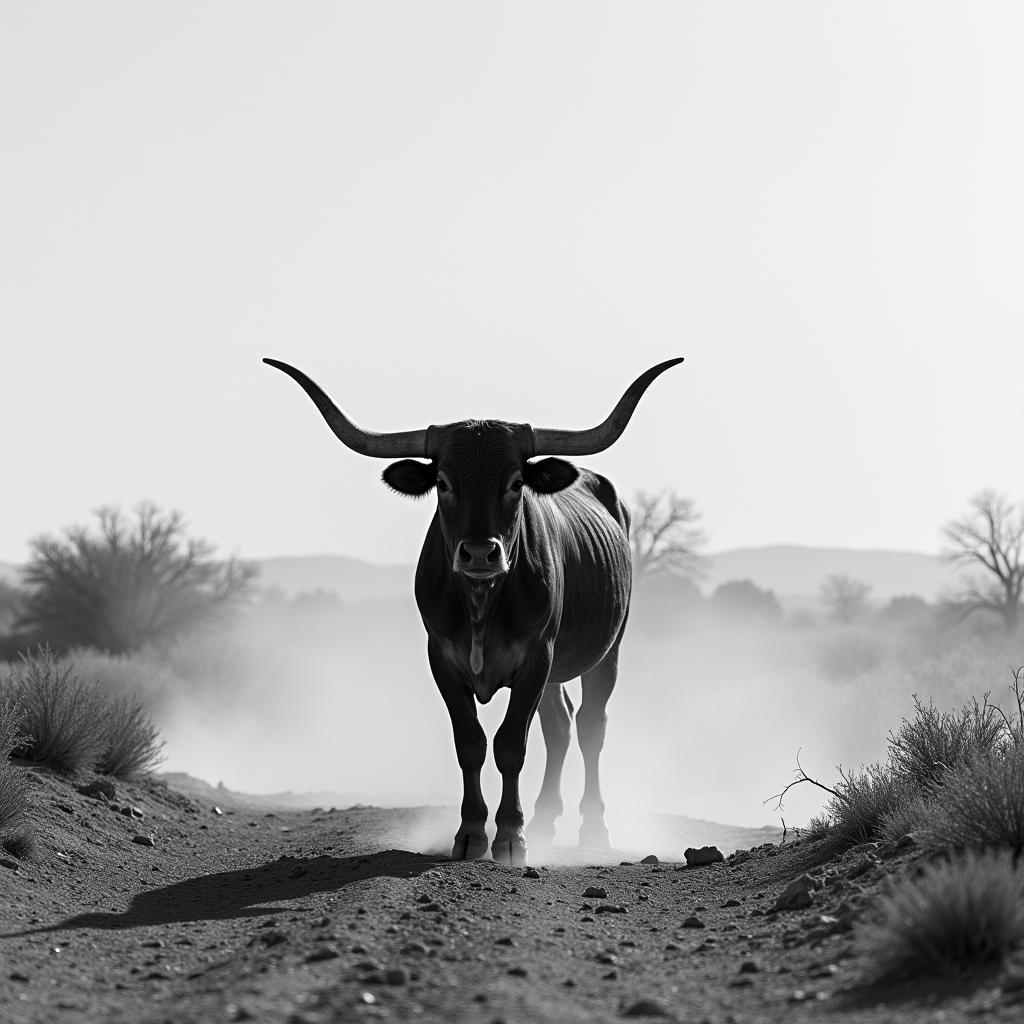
x=451, y=209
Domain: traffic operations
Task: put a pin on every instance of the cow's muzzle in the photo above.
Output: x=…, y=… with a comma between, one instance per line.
x=480, y=559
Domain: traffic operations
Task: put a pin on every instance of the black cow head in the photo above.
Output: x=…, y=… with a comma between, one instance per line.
x=479, y=469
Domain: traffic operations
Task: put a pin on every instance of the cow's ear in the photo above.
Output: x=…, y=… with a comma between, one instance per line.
x=411, y=477
x=550, y=475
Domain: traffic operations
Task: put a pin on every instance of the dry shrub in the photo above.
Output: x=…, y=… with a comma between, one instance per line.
x=932, y=743
x=868, y=797
x=72, y=725
x=61, y=715
x=980, y=805
x=906, y=817
x=133, y=744
x=957, y=915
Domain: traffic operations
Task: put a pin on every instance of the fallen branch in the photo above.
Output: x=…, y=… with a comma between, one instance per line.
x=801, y=776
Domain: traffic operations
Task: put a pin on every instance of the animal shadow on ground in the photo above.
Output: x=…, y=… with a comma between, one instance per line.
x=246, y=893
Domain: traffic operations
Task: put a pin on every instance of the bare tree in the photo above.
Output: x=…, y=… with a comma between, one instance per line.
x=127, y=585
x=844, y=597
x=664, y=536
x=991, y=538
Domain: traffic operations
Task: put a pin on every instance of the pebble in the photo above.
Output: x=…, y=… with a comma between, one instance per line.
x=646, y=1008
x=705, y=855
x=99, y=789
x=505, y=941
x=144, y=840
x=428, y=908
x=796, y=895
x=6, y=862
x=518, y=972
x=596, y=892
x=730, y=903
x=216, y=810
x=749, y=967
x=610, y=908
x=606, y=958
x=414, y=947
x=531, y=873
x=272, y=937
x=324, y=953
x=650, y=859
x=693, y=922
x=396, y=976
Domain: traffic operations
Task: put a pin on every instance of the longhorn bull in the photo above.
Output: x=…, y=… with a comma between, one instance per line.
x=523, y=581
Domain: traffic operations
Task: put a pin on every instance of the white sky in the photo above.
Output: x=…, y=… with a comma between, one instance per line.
x=471, y=209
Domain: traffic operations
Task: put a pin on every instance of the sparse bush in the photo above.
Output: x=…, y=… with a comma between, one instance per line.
x=133, y=744
x=72, y=725
x=61, y=716
x=127, y=584
x=981, y=804
x=959, y=914
x=931, y=744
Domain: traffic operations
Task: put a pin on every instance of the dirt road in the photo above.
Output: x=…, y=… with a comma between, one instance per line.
x=306, y=917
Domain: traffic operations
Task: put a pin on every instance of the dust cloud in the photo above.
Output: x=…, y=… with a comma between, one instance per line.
x=335, y=703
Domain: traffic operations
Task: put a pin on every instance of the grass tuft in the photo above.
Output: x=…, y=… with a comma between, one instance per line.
x=133, y=743
x=20, y=843
x=867, y=797
x=980, y=805
x=13, y=787
x=957, y=915
x=62, y=715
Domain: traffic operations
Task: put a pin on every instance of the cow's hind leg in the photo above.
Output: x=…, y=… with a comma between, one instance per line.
x=591, y=720
x=555, y=712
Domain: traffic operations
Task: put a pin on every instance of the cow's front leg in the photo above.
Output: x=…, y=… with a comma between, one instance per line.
x=471, y=749
x=509, y=845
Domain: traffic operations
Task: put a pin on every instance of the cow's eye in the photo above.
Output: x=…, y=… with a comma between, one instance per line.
x=516, y=485
x=442, y=487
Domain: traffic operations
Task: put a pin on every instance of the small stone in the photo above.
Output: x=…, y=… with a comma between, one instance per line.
x=216, y=810
x=506, y=940
x=650, y=859
x=144, y=840
x=595, y=892
x=66, y=808
x=323, y=953
x=693, y=922
x=749, y=967
x=132, y=812
x=428, y=908
x=99, y=789
x=272, y=937
x=414, y=947
x=6, y=862
x=606, y=958
x=153, y=944
x=646, y=1008
x=742, y=982
x=424, y=898
x=730, y=903
x=396, y=976
x=17, y=976
x=796, y=895
x=705, y=855
x=609, y=908
x=531, y=873
x=518, y=972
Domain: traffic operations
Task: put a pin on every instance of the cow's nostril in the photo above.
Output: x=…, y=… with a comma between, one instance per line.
x=464, y=555
x=494, y=554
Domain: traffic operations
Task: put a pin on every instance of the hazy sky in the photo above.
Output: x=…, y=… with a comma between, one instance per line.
x=442, y=210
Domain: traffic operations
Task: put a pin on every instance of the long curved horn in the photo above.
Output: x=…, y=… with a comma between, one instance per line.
x=402, y=444
x=589, y=442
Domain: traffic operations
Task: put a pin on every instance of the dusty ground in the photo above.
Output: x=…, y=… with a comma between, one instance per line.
x=313, y=916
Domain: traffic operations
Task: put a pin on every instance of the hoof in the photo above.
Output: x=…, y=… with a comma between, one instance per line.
x=541, y=833
x=509, y=847
x=595, y=837
x=470, y=844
